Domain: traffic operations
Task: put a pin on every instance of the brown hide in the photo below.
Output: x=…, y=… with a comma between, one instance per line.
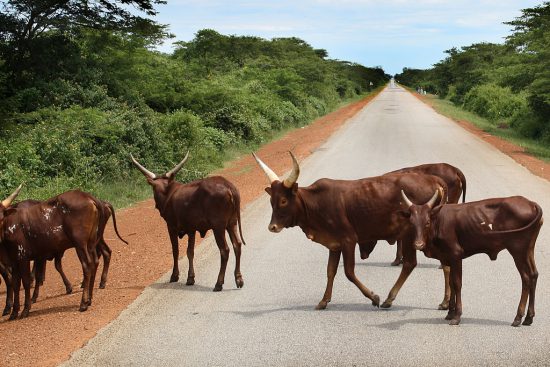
x=43, y=230
x=454, y=232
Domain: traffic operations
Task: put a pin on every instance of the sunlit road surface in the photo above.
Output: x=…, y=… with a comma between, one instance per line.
x=272, y=321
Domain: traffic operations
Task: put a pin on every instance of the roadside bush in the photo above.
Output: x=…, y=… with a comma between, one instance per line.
x=494, y=102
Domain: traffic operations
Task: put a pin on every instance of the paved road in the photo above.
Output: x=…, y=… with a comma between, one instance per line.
x=272, y=321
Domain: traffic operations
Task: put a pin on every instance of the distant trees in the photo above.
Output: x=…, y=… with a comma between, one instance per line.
x=508, y=83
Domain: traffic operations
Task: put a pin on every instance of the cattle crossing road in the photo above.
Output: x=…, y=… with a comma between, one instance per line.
x=272, y=321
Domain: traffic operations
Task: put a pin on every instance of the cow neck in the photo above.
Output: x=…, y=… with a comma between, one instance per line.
x=164, y=199
x=301, y=218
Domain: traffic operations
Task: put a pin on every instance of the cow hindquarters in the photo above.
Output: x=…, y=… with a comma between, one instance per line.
x=332, y=268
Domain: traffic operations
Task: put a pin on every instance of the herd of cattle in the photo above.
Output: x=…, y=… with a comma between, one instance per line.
x=417, y=208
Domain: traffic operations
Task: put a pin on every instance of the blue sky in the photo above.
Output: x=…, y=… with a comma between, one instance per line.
x=392, y=33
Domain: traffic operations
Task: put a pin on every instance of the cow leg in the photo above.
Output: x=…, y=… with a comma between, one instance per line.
x=398, y=255
x=190, y=257
x=59, y=268
x=237, y=245
x=332, y=268
x=219, y=234
x=456, y=281
x=26, y=278
x=409, y=264
x=523, y=268
x=444, y=305
x=94, y=259
x=40, y=268
x=16, y=284
x=534, y=274
x=349, y=268
x=105, y=252
x=6, y=274
x=86, y=263
x=175, y=254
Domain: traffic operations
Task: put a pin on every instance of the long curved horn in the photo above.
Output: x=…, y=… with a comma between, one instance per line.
x=7, y=202
x=293, y=176
x=176, y=169
x=271, y=176
x=433, y=199
x=143, y=170
x=406, y=199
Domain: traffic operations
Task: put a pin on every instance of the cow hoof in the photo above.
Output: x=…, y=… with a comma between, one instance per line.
x=33, y=299
x=443, y=306
x=13, y=316
x=376, y=300
x=24, y=314
x=6, y=311
x=239, y=282
x=386, y=304
x=218, y=287
x=83, y=307
x=190, y=281
x=517, y=322
x=454, y=322
x=174, y=278
x=322, y=305
x=449, y=316
x=101, y=286
x=528, y=320
x=396, y=262
x=70, y=290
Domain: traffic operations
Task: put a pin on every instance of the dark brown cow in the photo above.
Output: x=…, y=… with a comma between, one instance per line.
x=456, y=186
x=211, y=203
x=454, y=232
x=42, y=231
x=338, y=214
x=102, y=250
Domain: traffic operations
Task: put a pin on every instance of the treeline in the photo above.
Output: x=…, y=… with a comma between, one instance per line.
x=83, y=90
x=509, y=84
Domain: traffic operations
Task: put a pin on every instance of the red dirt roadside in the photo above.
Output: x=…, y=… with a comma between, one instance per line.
x=55, y=327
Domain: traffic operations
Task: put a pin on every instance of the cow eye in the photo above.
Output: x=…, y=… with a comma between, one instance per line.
x=283, y=202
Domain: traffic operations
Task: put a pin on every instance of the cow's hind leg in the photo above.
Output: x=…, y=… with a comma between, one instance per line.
x=175, y=254
x=6, y=274
x=219, y=234
x=59, y=268
x=40, y=268
x=533, y=273
x=190, y=257
x=86, y=263
x=237, y=245
x=349, y=268
x=104, y=251
x=27, y=279
x=522, y=265
x=332, y=268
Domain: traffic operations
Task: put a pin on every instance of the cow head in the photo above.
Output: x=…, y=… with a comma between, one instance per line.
x=420, y=216
x=284, y=201
x=160, y=183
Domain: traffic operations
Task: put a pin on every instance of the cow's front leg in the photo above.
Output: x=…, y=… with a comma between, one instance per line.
x=27, y=279
x=332, y=268
x=190, y=256
x=444, y=305
x=456, y=280
x=175, y=254
x=6, y=274
x=398, y=254
x=348, y=252
x=409, y=263
x=16, y=285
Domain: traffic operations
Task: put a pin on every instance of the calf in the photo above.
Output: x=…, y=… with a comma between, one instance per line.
x=211, y=203
x=42, y=231
x=454, y=232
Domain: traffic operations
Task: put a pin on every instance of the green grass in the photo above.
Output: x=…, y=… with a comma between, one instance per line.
x=126, y=191
x=531, y=146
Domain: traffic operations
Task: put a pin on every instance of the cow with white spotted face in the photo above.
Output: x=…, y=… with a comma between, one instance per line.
x=42, y=231
x=454, y=232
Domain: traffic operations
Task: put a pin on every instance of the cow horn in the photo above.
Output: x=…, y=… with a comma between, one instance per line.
x=178, y=166
x=271, y=176
x=406, y=199
x=7, y=202
x=293, y=176
x=433, y=199
x=143, y=170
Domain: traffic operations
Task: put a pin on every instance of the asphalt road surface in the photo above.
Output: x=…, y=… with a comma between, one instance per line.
x=272, y=321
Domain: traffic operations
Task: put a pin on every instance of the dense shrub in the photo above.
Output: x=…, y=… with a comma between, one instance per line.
x=496, y=103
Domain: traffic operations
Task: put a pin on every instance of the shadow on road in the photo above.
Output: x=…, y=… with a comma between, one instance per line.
x=190, y=288
x=396, y=325
x=387, y=265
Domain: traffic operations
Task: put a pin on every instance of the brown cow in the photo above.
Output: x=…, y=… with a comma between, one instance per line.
x=102, y=250
x=211, y=203
x=456, y=186
x=454, y=232
x=71, y=219
x=338, y=214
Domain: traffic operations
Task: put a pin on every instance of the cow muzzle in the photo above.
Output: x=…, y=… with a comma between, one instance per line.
x=419, y=245
x=274, y=228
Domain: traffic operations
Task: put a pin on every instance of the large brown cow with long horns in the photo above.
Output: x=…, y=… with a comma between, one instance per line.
x=453, y=232
x=211, y=203
x=339, y=214
x=42, y=231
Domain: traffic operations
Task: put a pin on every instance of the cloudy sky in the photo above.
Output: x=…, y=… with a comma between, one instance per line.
x=390, y=33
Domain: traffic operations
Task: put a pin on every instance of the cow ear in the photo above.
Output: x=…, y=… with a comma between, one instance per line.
x=268, y=190
x=150, y=181
x=404, y=213
x=435, y=211
x=294, y=188
x=9, y=211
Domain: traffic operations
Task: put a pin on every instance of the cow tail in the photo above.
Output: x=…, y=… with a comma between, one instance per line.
x=108, y=205
x=537, y=219
x=238, y=209
x=463, y=182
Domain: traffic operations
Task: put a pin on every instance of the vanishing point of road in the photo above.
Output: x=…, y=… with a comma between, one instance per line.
x=272, y=320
